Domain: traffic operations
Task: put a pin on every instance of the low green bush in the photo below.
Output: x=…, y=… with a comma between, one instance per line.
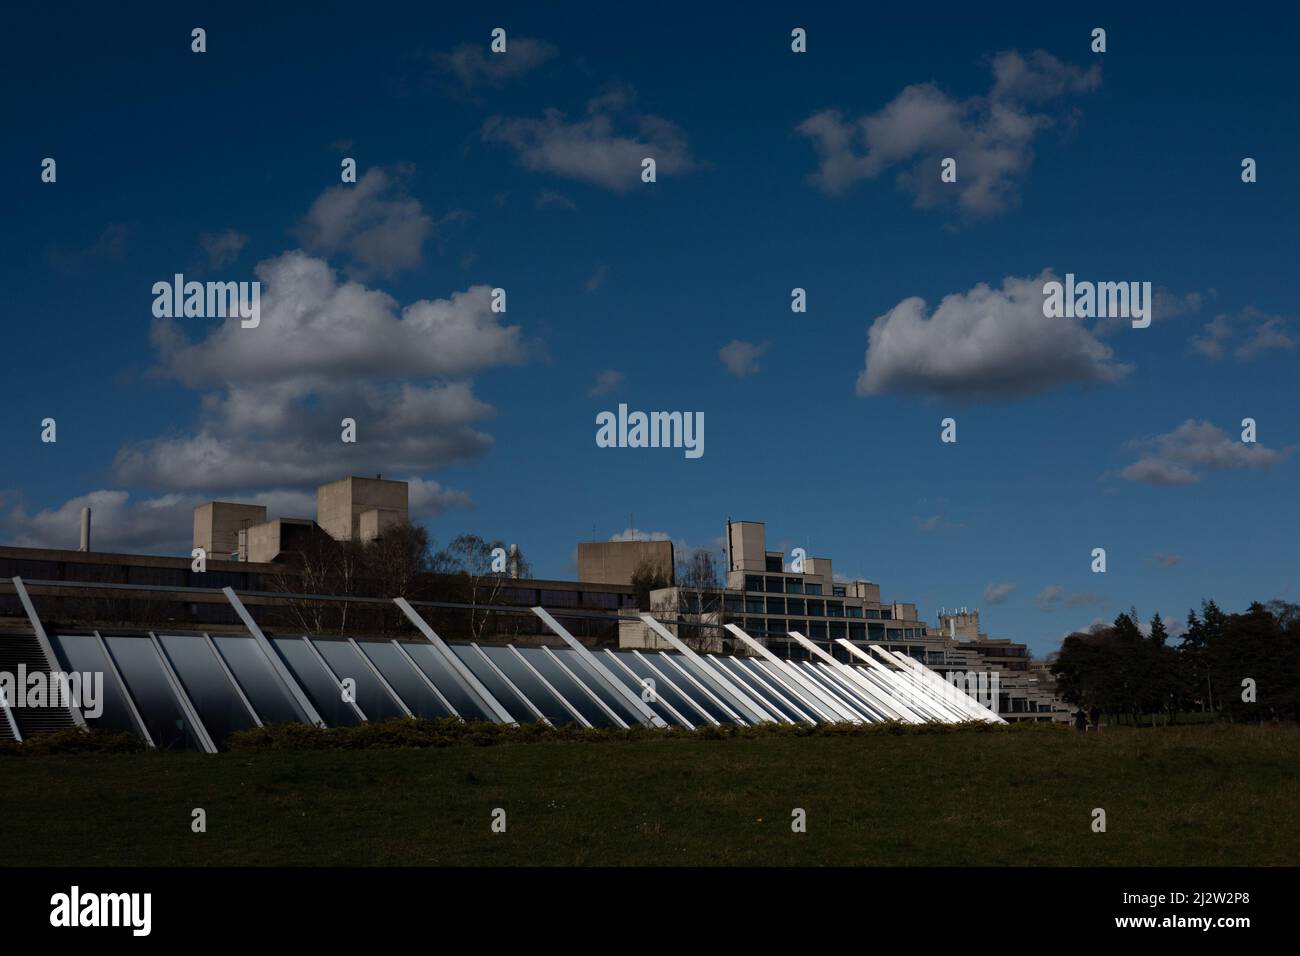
x=74, y=740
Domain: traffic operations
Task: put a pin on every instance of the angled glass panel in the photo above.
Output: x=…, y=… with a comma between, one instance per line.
x=406, y=682
x=636, y=687
x=495, y=685
x=268, y=695
x=686, y=664
x=562, y=682
x=432, y=663
x=81, y=654
x=757, y=689
x=541, y=698
x=147, y=683
x=684, y=706
x=218, y=706
x=613, y=700
x=374, y=701
x=321, y=689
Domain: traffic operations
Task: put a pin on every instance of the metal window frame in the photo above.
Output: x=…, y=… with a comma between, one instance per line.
x=278, y=667
x=648, y=716
x=126, y=691
x=43, y=640
x=383, y=681
x=963, y=700
x=934, y=700
x=514, y=688
x=753, y=712
x=591, y=694
x=428, y=681
x=774, y=713
x=182, y=698
x=230, y=676
x=551, y=688
x=797, y=682
x=760, y=677
x=694, y=681
x=320, y=659
x=457, y=666
x=673, y=711
x=846, y=701
x=870, y=692
x=668, y=682
x=902, y=690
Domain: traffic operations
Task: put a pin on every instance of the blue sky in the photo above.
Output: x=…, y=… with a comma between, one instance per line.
x=520, y=171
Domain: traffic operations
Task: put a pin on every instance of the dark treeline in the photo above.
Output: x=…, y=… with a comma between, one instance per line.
x=1245, y=666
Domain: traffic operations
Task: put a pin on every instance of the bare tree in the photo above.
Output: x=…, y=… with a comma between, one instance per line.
x=696, y=604
x=483, y=571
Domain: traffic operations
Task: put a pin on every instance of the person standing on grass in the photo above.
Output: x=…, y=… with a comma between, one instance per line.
x=1080, y=720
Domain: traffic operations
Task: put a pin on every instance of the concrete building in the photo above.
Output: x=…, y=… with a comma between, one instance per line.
x=358, y=509
x=351, y=509
x=218, y=524
x=614, y=562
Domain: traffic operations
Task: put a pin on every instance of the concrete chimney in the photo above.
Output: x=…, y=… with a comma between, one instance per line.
x=514, y=560
x=85, y=530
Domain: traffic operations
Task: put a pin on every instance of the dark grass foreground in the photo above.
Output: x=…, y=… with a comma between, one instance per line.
x=410, y=792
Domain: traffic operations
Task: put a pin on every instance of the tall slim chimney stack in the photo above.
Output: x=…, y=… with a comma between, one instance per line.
x=85, y=530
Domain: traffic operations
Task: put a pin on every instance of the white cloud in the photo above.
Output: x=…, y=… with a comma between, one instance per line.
x=1181, y=456
x=373, y=222
x=326, y=350
x=604, y=148
x=636, y=534
x=1054, y=597
x=998, y=593
x=983, y=344
x=1255, y=332
x=741, y=358
x=607, y=381
x=475, y=67
x=991, y=137
x=221, y=249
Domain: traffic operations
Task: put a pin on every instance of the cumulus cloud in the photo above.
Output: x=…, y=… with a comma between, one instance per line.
x=1253, y=331
x=475, y=67
x=605, y=147
x=1054, y=597
x=1182, y=456
x=221, y=249
x=607, y=381
x=998, y=593
x=990, y=136
x=741, y=358
x=326, y=350
x=983, y=344
x=373, y=222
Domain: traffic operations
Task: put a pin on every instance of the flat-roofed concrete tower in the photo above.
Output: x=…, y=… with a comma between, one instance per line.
x=217, y=525
x=358, y=509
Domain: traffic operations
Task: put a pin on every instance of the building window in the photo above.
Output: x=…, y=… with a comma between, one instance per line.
x=753, y=582
x=795, y=606
x=857, y=632
x=775, y=605
x=876, y=632
x=793, y=586
x=818, y=629
x=816, y=608
x=852, y=610
x=772, y=562
x=776, y=585
x=887, y=614
x=754, y=605
x=873, y=613
x=838, y=630
x=834, y=609
x=734, y=602
x=800, y=626
x=837, y=590
x=810, y=588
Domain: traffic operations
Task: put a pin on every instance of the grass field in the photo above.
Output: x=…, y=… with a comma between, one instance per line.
x=1205, y=795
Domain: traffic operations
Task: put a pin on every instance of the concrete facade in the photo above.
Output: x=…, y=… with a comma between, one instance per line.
x=340, y=505
x=614, y=562
x=217, y=525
